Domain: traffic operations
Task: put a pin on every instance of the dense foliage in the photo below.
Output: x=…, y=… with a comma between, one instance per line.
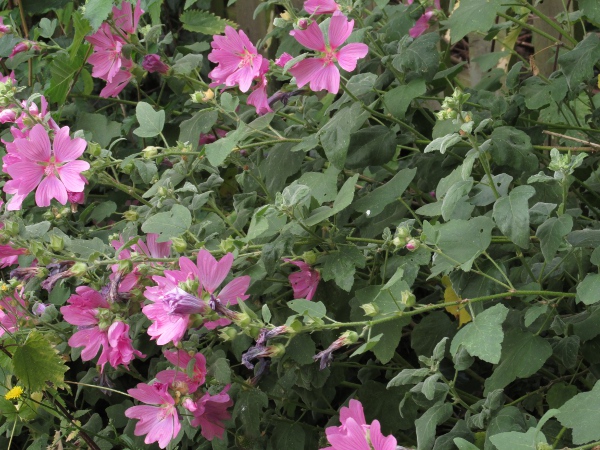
x=332, y=238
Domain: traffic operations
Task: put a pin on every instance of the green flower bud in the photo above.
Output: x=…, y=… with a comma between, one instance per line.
x=94, y=149
x=242, y=320
x=79, y=269
x=276, y=350
x=408, y=299
x=125, y=266
x=179, y=244
x=412, y=245
x=57, y=243
x=402, y=232
x=131, y=215
x=150, y=152
x=370, y=309
x=309, y=258
x=11, y=228
x=227, y=245
x=228, y=334
x=349, y=337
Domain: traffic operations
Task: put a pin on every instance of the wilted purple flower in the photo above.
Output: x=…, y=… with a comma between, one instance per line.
x=325, y=357
x=152, y=63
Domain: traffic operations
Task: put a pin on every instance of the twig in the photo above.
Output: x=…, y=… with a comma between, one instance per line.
x=581, y=141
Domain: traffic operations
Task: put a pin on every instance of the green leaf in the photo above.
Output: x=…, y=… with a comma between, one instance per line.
x=151, y=122
x=36, y=230
x=301, y=348
x=399, y=99
x=201, y=122
x=560, y=393
x=288, y=436
x=47, y=27
x=427, y=423
x=473, y=15
x=229, y=102
x=513, y=440
x=218, y=151
x=203, y=22
x=341, y=266
x=588, y=291
x=578, y=64
x=307, y=308
x=591, y=9
x=372, y=146
x=511, y=214
x=82, y=28
x=146, y=170
x=87, y=248
x=443, y=143
x=582, y=415
x=421, y=56
x=32, y=7
x=483, y=336
x=63, y=70
x=523, y=355
x=512, y=147
x=464, y=445
x=384, y=195
x=342, y=200
x=385, y=349
x=187, y=63
x=335, y=135
x=169, y=224
x=97, y=11
x=248, y=408
x=552, y=233
x=103, y=130
x=267, y=221
x=37, y=363
x=103, y=210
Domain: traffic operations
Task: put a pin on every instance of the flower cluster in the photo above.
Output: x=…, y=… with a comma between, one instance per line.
x=159, y=418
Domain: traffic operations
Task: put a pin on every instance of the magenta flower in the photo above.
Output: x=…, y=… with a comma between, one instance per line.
x=53, y=170
x=209, y=138
x=321, y=6
x=107, y=58
x=237, y=59
x=305, y=282
x=4, y=28
x=119, y=81
x=181, y=359
x=259, y=98
x=354, y=432
x=321, y=72
x=127, y=17
x=12, y=309
x=152, y=63
x=10, y=255
x=98, y=329
x=283, y=59
x=160, y=423
x=210, y=411
x=24, y=46
x=10, y=77
x=39, y=115
x=422, y=23
x=8, y=115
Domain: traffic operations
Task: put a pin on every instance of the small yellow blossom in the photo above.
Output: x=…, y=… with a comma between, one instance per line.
x=14, y=394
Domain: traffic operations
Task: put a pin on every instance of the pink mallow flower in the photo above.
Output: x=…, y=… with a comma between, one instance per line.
x=259, y=98
x=354, y=432
x=98, y=329
x=172, y=305
x=12, y=309
x=305, y=282
x=24, y=46
x=152, y=63
x=321, y=72
x=52, y=169
x=238, y=61
x=107, y=58
x=210, y=411
x=160, y=422
x=181, y=359
x=119, y=81
x=321, y=6
x=127, y=17
x=4, y=29
x=422, y=23
x=283, y=59
x=10, y=255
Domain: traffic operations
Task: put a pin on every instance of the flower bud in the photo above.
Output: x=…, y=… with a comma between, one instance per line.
x=228, y=334
x=179, y=244
x=57, y=243
x=131, y=215
x=11, y=228
x=79, y=269
x=152, y=63
x=125, y=266
x=370, y=309
x=202, y=96
x=402, y=232
x=276, y=350
x=309, y=258
x=242, y=320
x=150, y=152
x=94, y=149
x=398, y=242
x=349, y=337
x=303, y=24
x=408, y=299
x=412, y=245
x=227, y=245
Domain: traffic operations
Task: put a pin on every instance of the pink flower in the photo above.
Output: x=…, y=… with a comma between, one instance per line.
x=12, y=309
x=119, y=81
x=8, y=115
x=76, y=197
x=259, y=98
x=160, y=423
x=354, y=432
x=321, y=72
x=98, y=329
x=321, y=6
x=181, y=359
x=210, y=411
x=152, y=63
x=24, y=46
x=4, y=28
x=283, y=59
x=11, y=76
x=127, y=19
x=35, y=115
x=107, y=58
x=422, y=23
x=238, y=61
x=305, y=282
x=54, y=168
x=10, y=255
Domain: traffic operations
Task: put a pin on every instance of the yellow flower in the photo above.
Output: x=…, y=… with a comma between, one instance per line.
x=14, y=394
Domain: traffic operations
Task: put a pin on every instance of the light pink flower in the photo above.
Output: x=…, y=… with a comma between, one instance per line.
x=52, y=169
x=259, y=98
x=12, y=309
x=10, y=255
x=321, y=72
x=76, y=197
x=98, y=330
x=127, y=17
x=107, y=58
x=160, y=423
x=4, y=28
x=181, y=359
x=354, y=432
x=152, y=63
x=11, y=77
x=305, y=282
x=119, y=81
x=237, y=59
x=283, y=59
x=35, y=115
x=210, y=411
x=24, y=46
x=8, y=115
x=321, y=6
x=422, y=23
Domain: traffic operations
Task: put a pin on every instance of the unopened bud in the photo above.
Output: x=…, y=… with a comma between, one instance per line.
x=150, y=152
x=412, y=245
x=130, y=215
x=276, y=350
x=79, y=269
x=179, y=244
x=57, y=243
x=94, y=149
x=242, y=320
x=227, y=245
x=402, y=232
x=228, y=334
x=370, y=309
x=349, y=337
x=125, y=266
x=408, y=298
x=303, y=24
x=309, y=258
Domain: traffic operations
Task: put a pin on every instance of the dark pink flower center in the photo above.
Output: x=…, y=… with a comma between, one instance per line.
x=247, y=58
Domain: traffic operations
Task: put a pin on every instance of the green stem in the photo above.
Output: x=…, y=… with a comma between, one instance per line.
x=550, y=22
